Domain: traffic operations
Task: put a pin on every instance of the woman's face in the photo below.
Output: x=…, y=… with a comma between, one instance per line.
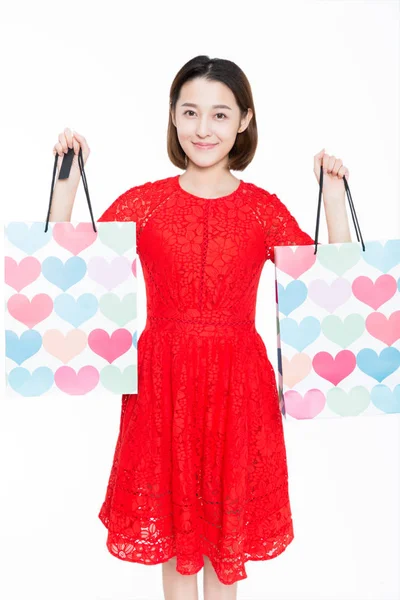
x=206, y=113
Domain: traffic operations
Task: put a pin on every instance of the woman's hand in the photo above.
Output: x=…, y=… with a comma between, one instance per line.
x=68, y=139
x=333, y=186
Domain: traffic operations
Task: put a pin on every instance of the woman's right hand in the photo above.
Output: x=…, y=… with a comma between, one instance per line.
x=68, y=139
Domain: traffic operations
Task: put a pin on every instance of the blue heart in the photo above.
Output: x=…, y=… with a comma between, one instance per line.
x=27, y=238
x=378, y=367
x=64, y=275
x=383, y=257
x=27, y=384
x=385, y=399
x=76, y=310
x=293, y=296
x=20, y=349
x=300, y=335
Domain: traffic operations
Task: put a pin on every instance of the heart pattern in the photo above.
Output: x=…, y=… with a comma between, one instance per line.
x=28, y=238
x=65, y=346
x=118, y=310
x=304, y=407
x=339, y=258
x=64, y=275
x=116, y=381
x=296, y=369
x=376, y=293
x=20, y=348
x=120, y=239
x=76, y=384
x=30, y=312
x=31, y=384
x=110, y=347
x=343, y=332
x=383, y=328
x=19, y=275
x=74, y=239
x=109, y=274
x=76, y=311
x=379, y=366
x=385, y=399
x=300, y=335
x=291, y=297
x=329, y=296
x=334, y=369
x=295, y=262
x=360, y=292
x=348, y=404
x=383, y=257
x=81, y=333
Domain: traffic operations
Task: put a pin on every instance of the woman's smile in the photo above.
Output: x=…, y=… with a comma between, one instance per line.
x=204, y=146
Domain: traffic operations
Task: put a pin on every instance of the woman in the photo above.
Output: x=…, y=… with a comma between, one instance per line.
x=199, y=476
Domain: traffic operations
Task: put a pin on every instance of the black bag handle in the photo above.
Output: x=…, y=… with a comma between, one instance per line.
x=64, y=172
x=352, y=209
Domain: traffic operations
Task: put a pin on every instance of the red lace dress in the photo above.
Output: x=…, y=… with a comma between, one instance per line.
x=200, y=463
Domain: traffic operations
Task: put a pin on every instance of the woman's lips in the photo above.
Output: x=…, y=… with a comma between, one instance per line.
x=205, y=147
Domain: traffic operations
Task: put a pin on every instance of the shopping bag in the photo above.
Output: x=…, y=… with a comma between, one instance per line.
x=338, y=326
x=70, y=310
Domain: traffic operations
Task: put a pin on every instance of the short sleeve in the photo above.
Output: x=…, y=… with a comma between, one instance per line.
x=128, y=206
x=282, y=229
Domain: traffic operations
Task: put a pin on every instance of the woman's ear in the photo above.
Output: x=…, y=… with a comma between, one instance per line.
x=245, y=121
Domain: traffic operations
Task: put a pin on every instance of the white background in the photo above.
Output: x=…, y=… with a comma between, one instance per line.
x=323, y=74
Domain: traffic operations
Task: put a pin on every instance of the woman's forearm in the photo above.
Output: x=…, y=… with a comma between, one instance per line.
x=63, y=199
x=337, y=221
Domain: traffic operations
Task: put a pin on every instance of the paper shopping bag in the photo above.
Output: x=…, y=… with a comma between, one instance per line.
x=70, y=316
x=338, y=325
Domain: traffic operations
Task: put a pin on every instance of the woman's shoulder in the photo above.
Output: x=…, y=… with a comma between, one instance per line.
x=153, y=186
x=259, y=195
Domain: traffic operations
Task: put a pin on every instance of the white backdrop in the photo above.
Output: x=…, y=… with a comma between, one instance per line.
x=324, y=74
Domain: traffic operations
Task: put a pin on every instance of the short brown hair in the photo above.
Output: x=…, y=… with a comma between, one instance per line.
x=227, y=72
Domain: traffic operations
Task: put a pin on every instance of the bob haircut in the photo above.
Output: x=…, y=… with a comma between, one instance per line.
x=227, y=72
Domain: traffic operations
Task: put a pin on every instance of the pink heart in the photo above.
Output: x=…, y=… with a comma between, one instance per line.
x=384, y=329
x=65, y=347
x=374, y=294
x=76, y=383
x=30, y=312
x=20, y=275
x=334, y=369
x=74, y=239
x=296, y=262
x=296, y=369
x=304, y=408
x=134, y=267
x=330, y=296
x=110, y=348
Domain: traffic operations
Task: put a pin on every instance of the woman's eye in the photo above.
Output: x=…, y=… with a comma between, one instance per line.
x=192, y=111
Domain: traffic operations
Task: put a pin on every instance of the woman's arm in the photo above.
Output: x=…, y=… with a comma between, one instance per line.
x=337, y=220
x=334, y=195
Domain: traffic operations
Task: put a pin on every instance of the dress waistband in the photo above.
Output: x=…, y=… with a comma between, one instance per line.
x=199, y=325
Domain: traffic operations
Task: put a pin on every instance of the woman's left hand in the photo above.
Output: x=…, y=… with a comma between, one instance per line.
x=333, y=186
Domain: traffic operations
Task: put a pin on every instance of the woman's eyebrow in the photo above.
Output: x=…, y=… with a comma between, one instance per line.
x=214, y=105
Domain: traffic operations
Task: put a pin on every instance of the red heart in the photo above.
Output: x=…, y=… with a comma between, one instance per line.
x=334, y=369
x=108, y=347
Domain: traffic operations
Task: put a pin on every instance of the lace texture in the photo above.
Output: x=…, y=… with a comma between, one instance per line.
x=200, y=463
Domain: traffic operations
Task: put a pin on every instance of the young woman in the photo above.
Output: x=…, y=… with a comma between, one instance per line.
x=199, y=475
